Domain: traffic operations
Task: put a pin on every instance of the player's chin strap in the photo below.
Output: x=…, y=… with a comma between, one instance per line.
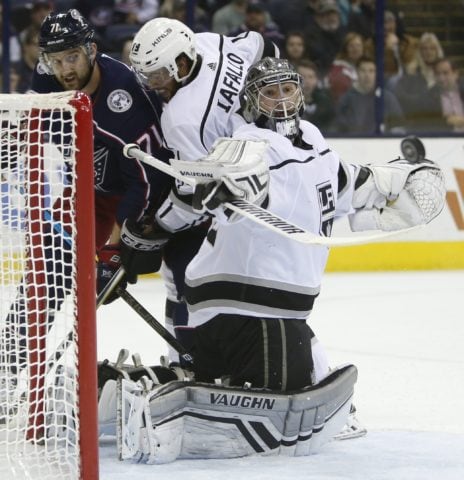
x=260, y=215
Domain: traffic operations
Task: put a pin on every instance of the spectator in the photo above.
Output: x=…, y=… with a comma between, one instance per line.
x=13, y=79
x=294, y=47
x=411, y=88
x=362, y=18
x=342, y=73
x=356, y=109
x=178, y=11
x=344, y=7
x=229, y=17
x=15, y=46
x=429, y=52
x=30, y=49
x=99, y=12
x=324, y=39
x=400, y=49
x=293, y=14
x=443, y=104
x=135, y=12
x=319, y=107
x=39, y=10
x=256, y=21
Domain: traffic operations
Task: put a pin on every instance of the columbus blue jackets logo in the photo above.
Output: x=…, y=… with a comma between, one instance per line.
x=119, y=101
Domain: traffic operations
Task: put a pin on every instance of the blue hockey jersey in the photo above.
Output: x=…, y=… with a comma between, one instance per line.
x=123, y=112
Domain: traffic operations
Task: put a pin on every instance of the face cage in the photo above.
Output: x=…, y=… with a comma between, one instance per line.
x=284, y=117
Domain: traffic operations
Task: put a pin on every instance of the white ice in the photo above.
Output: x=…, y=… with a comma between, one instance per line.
x=404, y=332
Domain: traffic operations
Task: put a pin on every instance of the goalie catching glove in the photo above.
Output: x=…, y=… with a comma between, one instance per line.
x=141, y=248
x=397, y=195
x=233, y=170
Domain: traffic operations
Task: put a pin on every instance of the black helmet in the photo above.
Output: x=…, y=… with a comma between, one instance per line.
x=61, y=31
x=284, y=118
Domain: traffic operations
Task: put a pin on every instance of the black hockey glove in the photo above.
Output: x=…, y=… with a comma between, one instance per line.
x=211, y=195
x=109, y=260
x=141, y=248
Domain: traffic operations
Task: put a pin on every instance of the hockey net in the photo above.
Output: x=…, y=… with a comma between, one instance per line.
x=48, y=397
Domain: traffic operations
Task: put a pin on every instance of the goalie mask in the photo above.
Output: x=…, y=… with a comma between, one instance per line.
x=155, y=49
x=272, y=96
x=64, y=31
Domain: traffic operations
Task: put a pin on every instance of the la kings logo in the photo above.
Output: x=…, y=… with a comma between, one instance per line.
x=326, y=199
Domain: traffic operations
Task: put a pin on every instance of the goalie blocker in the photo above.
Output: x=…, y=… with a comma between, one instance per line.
x=180, y=420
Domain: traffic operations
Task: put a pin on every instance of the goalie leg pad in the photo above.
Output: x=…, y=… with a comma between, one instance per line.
x=193, y=420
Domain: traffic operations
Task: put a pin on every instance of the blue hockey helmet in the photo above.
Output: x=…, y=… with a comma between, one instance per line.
x=62, y=31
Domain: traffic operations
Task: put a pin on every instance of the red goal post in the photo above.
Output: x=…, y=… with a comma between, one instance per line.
x=48, y=361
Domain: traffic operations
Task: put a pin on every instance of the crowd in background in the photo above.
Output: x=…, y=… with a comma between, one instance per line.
x=330, y=42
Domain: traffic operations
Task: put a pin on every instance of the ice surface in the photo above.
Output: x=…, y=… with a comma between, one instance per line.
x=405, y=333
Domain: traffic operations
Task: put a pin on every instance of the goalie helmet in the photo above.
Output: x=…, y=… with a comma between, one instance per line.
x=61, y=31
x=158, y=44
x=272, y=96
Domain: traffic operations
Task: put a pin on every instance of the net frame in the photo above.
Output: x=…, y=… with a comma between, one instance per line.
x=83, y=335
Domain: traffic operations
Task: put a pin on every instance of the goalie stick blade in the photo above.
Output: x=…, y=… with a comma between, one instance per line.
x=264, y=217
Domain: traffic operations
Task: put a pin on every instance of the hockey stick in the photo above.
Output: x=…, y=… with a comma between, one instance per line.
x=155, y=324
x=260, y=215
x=114, y=286
x=115, y=280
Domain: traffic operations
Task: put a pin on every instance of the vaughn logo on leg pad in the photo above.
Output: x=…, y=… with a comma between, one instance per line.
x=197, y=420
x=243, y=401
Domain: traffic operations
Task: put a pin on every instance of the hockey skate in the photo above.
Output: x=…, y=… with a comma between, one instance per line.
x=353, y=428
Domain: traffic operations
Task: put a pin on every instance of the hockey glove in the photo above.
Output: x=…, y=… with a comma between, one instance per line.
x=141, y=248
x=398, y=195
x=209, y=196
x=109, y=260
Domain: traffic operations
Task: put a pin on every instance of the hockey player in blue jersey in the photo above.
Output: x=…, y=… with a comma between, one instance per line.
x=123, y=112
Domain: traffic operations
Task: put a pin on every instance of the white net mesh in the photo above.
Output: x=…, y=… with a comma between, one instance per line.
x=39, y=423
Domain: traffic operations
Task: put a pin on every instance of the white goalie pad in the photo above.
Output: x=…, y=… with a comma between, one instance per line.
x=181, y=420
x=398, y=195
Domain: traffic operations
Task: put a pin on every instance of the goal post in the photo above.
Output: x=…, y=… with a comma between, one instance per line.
x=48, y=360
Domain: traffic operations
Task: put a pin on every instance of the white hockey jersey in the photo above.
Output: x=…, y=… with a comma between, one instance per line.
x=205, y=109
x=244, y=268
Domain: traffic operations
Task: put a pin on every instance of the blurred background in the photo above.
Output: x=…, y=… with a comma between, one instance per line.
x=374, y=72
x=385, y=67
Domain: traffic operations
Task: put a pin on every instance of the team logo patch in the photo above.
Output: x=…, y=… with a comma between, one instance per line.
x=326, y=198
x=119, y=101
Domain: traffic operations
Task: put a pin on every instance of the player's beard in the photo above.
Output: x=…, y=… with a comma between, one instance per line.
x=74, y=81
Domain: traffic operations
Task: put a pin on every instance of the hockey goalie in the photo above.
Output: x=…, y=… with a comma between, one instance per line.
x=260, y=383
